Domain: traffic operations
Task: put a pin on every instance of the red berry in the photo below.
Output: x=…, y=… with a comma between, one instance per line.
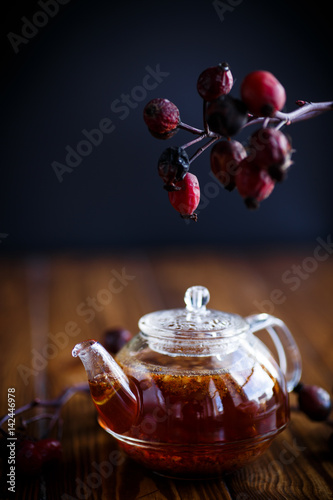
x=29, y=459
x=50, y=450
x=162, y=117
x=224, y=159
x=271, y=149
x=215, y=81
x=226, y=115
x=173, y=165
x=262, y=93
x=253, y=183
x=186, y=199
x=115, y=339
x=314, y=401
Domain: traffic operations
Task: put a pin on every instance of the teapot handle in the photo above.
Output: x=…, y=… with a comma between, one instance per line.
x=289, y=356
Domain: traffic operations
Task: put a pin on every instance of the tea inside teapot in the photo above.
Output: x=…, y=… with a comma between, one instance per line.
x=195, y=393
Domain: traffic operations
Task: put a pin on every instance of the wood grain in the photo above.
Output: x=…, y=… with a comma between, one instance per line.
x=41, y=297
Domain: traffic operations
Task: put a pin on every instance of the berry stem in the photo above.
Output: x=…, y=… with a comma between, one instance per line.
x=56, y=403
x=281, y=124
x=304, y=112
x=203, y=148
x=189, y=128
x=307, y=110
x=206, y=127
x=202, y=136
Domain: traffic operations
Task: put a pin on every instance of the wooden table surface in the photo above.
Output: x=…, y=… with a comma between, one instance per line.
x=42, y=296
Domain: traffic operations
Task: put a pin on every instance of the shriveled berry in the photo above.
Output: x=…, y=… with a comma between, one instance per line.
x=173, y=165
x=271, y=149
x=215, y=81
x=226, y=115
x=225, y=157
x=314, y=401
x=186, y=199
x=114, y=339
x=262, y=93
x=50, y=450
x=253, y=183
x=162, y=117
x=29, y=459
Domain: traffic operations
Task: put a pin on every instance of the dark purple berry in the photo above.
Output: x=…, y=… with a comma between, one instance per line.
x=226, y=115
x=115, y=339
x=225, y=157
x=173, y=165
x=29, y=460
x=314, y=401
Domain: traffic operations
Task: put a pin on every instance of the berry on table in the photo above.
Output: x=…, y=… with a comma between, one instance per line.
x=186, y=198
x=225, y=157
x=29, y=459
x=215, y=81
x=161, y=117
x=271, y=149
x=262, y=93
x=50, y=450
x=173, y=165
x=254, y=183
x=114, y=339
x=314, y=401
x=226, y=115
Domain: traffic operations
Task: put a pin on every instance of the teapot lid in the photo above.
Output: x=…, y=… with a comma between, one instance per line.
x=194, y=321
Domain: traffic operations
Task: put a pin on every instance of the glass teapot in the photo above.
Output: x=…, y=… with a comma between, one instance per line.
x=195, y=393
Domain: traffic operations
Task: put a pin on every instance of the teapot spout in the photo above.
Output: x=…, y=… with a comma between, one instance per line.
x=112, y=392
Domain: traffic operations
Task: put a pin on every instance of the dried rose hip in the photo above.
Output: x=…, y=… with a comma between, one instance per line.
x=224, y=159
x=162, y=117
x=271, y=149
x=226, y=115
x=215, y=81
x=186, y=199
x=262, y=93
x=115, y=338
x=253, y=183
x=173, y=165
x=314, y=401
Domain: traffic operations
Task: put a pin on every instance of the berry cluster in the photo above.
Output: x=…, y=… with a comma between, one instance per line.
x=253, y=169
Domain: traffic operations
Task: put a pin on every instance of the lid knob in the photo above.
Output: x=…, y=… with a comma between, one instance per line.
x=196, y=298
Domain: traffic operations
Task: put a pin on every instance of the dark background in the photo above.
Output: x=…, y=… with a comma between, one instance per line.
x=67, y=76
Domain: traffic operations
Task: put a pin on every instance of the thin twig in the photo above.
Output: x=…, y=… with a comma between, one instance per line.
x=56, y=403
x=189, y=128
x=203, y=136
x=304, y=112
x=203, y=148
